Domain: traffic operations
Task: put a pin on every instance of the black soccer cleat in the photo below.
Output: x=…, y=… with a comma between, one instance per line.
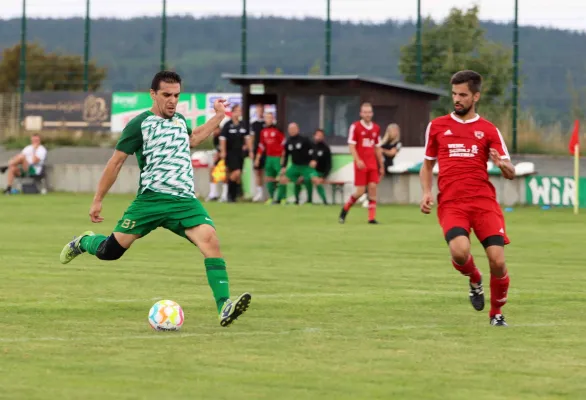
x=477, y=296
x=373, y=221
x=498, y=320
x=342, y=217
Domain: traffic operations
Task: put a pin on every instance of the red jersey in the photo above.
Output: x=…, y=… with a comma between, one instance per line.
x=272, y=141
x=462, y=151
x=366, y=139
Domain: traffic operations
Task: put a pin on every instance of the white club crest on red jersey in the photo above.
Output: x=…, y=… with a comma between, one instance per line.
x=479, y=134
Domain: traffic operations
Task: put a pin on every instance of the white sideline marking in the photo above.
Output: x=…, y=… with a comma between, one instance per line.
x=177, y=335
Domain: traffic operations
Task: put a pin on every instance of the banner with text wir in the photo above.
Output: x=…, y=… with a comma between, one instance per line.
x=554, y=191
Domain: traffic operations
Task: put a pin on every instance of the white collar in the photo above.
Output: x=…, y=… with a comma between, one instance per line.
x=367, y=126
x=455, y=118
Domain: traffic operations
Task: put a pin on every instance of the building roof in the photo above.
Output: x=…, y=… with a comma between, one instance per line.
x=240, y=79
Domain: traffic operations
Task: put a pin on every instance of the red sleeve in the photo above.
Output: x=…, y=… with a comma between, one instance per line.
x=497, y=142
x=430, y=144
x=351, y=136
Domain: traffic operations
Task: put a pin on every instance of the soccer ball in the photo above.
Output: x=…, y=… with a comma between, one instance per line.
x=166, y=315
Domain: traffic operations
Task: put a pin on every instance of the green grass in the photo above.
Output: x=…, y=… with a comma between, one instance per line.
x=339, y=311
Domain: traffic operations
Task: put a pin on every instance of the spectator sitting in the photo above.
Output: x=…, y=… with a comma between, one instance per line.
x=30, y=162
x=391, y=144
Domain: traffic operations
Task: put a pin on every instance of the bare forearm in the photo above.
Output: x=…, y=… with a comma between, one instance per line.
x=426, y=178
x=379, y=156
x=354, y=152
x=222, y=148
x=508, y=170
x=201, y=133
x=249, y=143
x=107, y=179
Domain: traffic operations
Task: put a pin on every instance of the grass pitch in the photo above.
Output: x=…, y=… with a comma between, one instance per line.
x=338, y=312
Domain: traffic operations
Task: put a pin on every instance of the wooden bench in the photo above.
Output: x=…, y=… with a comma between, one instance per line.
x=337, y=187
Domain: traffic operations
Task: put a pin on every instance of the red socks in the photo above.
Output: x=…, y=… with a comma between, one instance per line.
x=498, y=293
x=349, y=203
x=469, y=269
x=371, y=210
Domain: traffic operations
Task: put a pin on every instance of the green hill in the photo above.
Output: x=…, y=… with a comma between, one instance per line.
x=201, y=49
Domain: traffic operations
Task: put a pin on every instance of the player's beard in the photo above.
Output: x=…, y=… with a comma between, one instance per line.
x=462, y=111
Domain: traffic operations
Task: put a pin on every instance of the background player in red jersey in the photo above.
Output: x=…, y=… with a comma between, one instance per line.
x=365, y=147
x=462, y=142
x=272, y=144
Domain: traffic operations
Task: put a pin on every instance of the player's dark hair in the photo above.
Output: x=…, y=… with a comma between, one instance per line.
x=319, y=130
x=472, y=78
x=236, y=107
x=165, y=76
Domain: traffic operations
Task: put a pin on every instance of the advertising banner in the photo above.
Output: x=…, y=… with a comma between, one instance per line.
x=66, y=110
x=554, y=191
x=126, y=106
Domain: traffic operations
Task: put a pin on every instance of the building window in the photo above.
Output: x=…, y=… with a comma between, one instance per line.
x=339, y=112
x=305, y=111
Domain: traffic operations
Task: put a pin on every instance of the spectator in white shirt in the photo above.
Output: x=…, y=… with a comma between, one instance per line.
x=29, y=162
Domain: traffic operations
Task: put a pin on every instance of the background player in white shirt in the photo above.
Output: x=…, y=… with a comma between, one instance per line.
x=29, y=162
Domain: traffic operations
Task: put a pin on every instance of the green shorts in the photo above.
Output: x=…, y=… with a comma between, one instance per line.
x=30, y=172
x=294, y=172
x=316, y=174
x=151, y=210
x=272, y=166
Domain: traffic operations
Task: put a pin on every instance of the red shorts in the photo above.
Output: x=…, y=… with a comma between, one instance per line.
x=484, y=216
x=363, y=177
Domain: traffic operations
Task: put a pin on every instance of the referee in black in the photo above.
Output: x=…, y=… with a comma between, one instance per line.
x=235, y=142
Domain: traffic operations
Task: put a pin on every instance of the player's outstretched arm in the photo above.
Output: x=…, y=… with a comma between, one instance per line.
x=201, y=133
x=106, y=181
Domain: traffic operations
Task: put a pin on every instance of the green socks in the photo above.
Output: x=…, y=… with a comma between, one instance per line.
x=297, y=192
x=282, y=192
x=91, y=243
x=271, y=188
x=218, y=280
x=322, y=193
x=309, y=189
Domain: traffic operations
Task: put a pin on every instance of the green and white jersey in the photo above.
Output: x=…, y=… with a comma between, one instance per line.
x=162, y=151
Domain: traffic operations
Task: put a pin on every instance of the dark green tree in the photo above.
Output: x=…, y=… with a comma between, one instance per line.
x=455, y=44
x=47, y=71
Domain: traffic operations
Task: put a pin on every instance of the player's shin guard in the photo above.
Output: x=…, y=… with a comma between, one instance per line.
x=350, y=203
x=218, y=280
x=469, y=269
x=110, y=249
x=499, y=288
x=371, y=210
x=92, y=243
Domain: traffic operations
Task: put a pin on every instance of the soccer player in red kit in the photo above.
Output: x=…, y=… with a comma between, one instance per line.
x=271, y=143
x=369, y=166
x=462, y=143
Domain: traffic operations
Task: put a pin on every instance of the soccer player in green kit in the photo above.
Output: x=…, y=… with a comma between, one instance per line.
x=300, y=149
x=166, y=198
